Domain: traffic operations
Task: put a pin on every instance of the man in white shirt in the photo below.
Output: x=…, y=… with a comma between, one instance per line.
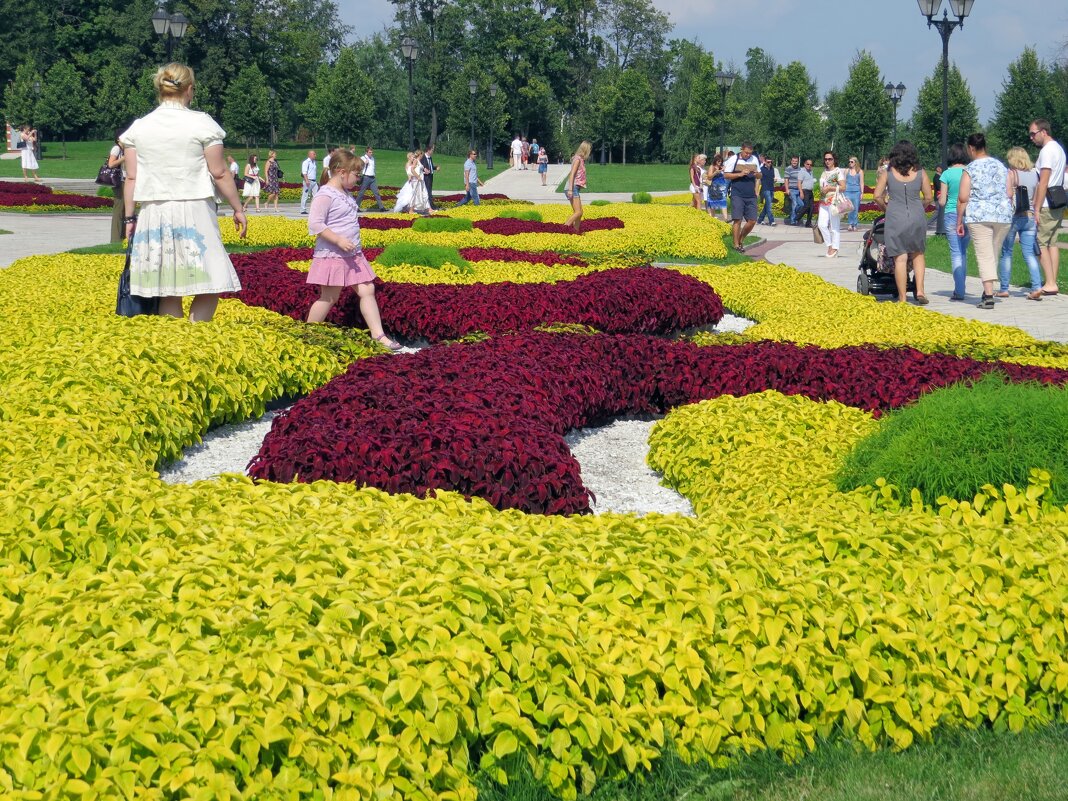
x=1050, y=167
x=369, y=181
x=517, y=153
x=310, y=180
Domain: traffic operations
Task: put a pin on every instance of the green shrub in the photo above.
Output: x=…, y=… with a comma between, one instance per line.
x=440, y=224
x=105, y=191
x=422, y=255
x=641, y=197
x=518, y=214
x=953, y=441
x=600, y=202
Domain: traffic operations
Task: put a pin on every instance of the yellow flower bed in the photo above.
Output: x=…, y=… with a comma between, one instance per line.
x=791, y=306
x=237, y=640
x=670, y=232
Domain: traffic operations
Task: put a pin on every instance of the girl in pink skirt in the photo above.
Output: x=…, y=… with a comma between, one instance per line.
x=338, y=261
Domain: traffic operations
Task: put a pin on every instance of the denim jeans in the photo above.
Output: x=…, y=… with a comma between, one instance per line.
x=769, y=201
x=306, y=192
x=958, y=253
x=853, y=215
x=1026, y=228
x=795, y=203
x=472, y=194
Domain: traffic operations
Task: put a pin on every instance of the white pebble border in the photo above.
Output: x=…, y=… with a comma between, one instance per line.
x=611, y=457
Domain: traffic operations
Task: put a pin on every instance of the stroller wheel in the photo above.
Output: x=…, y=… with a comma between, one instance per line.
x=863, y=284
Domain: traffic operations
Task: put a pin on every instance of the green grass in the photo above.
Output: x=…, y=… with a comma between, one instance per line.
x=84, y=160
x=635, y=178
x=440, y=224
x=426, y=255
x=515, y=214
x=958, y=766
x=938, y=259
x=641, y=197
x=2, y=232
x=955, y=440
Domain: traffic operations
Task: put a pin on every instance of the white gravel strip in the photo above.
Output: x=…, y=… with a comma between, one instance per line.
x=611, y=457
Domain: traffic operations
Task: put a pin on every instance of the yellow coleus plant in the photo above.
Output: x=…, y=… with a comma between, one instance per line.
x=231, y=639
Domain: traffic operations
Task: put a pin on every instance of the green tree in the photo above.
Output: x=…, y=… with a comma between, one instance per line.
x=339, y=103
x=705, y=108
x=861, y=114
x=20, y=98
x=1025, y=94
x=683, y=65
x=635, y=30
x=376, y=59
x=631, y=116
x=787, y=107
x=64, y=106
x=111, y=103
x=247, y=106
x=927, y=116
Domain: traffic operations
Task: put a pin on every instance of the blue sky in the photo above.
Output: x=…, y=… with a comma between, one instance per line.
x=893, y=31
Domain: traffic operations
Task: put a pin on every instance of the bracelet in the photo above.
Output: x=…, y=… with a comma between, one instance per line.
x=128, y=220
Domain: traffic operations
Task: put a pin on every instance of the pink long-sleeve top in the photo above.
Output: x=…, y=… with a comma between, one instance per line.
x=337, y=210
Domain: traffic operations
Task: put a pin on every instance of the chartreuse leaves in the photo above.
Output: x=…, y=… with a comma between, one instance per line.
x=234, y=640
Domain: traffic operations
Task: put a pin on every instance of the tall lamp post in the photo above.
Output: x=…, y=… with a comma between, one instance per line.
x=945, y=26
x=489, y=139
x=410, y=51
x=36, y=100
x=724, y=80
x=173, y=26
x=895, y=93
x=274, y=96
x=472, y=85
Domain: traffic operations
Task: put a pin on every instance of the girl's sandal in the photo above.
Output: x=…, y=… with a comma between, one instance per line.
x=389, y=343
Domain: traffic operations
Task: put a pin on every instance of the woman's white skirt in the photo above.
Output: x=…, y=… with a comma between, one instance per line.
x=177, y=250
x=29, y=161
x=251, y=188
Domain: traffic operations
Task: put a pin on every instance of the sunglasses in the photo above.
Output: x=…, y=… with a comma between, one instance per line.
x=1032, y=134
x=828, y=158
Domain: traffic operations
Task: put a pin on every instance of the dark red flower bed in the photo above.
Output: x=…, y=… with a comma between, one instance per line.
x=634, y=300
x=506, y=226
x=488, y=419
x=384, y=223
x=457, y=197
x=545, y=257
x=25, y=194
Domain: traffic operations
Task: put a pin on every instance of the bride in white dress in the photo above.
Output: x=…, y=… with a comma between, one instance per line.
x=412, y=197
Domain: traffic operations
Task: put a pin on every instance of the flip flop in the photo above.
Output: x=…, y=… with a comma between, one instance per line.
x=1036, y=295
x=1047, y=292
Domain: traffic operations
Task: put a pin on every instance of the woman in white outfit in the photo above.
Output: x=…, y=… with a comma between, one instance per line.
x=832, y=181
x=174, y=164
x=251, y=189
x=29, y=158
x=412, y=196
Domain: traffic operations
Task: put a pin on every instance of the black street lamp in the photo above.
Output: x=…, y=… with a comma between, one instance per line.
x=410, y=51
x=945, y=26
x=36, y=100
x=274, y=95
x=489, y=142
x=724, y=80
x=895, y=93
x=173, y=26
x=473, y=86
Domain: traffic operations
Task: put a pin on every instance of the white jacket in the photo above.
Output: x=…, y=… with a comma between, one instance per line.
x=170, y=144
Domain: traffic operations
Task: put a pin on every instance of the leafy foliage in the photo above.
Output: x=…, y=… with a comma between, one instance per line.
x=431, y=225
x=862, y=111
x=641, y=197
x=520, y=214
x=1026, y=94
x=434, y=256
x=954, y=441
x=927, y=116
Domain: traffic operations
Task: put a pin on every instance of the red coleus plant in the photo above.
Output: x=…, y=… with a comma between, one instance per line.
x=507, y=226
x=635, y=300
x=18, y=195
x=488, y=419
x=545, y=257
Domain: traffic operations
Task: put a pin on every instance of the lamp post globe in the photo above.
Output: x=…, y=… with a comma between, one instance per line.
x=724, y=80
x=472, y=86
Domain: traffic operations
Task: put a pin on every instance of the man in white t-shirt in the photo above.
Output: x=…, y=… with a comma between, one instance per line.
x=309, y=179
x=1050, y=168
x=369, y=181
x=517, y=153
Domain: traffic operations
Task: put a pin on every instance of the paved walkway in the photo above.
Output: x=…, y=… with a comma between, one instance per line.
x=1048, y=319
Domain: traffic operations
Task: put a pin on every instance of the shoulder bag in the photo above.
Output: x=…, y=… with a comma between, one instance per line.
x=127, y=305
x=109, y=176
x=840, y=204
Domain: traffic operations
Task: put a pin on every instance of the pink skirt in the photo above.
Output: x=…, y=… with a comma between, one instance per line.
x=340, y=270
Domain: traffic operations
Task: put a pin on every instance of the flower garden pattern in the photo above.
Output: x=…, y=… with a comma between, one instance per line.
x=38, y=198
x=248, y=639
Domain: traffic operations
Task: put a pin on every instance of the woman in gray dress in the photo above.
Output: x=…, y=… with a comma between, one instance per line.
x=904, y=190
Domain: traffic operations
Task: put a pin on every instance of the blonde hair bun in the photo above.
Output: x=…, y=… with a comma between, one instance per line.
x=172, y=80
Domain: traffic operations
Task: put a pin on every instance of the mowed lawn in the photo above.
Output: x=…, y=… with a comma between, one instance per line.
x=84, y=160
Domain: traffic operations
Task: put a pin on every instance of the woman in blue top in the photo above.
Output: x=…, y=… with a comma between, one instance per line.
x=947, y=198
x=854, y=189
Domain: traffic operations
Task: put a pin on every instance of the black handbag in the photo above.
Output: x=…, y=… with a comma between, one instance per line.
x=127, y=305
x=109, y=176
x=1056, y=197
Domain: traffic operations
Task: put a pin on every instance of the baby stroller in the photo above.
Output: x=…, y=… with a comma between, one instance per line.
x=876, y=267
